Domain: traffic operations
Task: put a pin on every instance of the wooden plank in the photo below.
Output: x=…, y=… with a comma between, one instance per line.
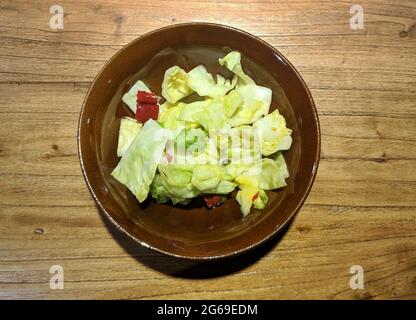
x=54, y=98
x=361, y=209
x=101, y=268
x=368, y=137
x=364, y=193
x=31, y=42
x=108, y=22
x=349, y=52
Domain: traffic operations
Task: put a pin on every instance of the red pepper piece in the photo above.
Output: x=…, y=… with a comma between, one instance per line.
x=147, y=97
x=145, y=112
x=255, y=196
x=213, y=200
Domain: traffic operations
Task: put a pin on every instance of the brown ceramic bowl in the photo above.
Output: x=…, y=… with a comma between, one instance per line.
x=195, y=232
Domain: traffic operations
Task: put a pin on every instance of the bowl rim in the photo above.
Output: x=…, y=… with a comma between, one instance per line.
x=268, y=236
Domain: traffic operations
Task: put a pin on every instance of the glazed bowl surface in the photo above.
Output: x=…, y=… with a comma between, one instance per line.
x=193, y=231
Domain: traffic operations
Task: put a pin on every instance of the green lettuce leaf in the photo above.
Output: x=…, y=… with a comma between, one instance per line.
x=233, y=170
x=159, y=192
x=138, y=165
x=168, y=118
x=162, y=109
x=223, y=187
x=162, y=194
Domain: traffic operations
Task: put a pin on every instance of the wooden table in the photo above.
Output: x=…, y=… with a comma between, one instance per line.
x=361, y=210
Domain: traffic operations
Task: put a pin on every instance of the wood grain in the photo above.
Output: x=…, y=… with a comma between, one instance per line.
x=361, y=210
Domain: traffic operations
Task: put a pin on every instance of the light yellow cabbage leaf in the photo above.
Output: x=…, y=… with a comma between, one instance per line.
x=211, y=179
x=249, y=193
x=174, y=183
x=256, y=102
x=129, y=128
x=203, y=83
x=210, y=114
x=138, y=165
x=205, y=154
x=238, y=145
x=232, y=101
x=267, y=174
x=175, y=85
x=170, y=116
x=232, y=61
x=273, y=133
x=130, y=97
x=273, y=173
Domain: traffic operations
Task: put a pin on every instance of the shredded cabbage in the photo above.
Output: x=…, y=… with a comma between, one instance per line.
x=137, y=167
x=256, y=102
x=274, y=134
x=210, y=179
x=174, y=183
x=170, y=116
x=204, y=84
x=224, y=141
x=248, y=182
x=273, y=173
x=232, y=62
x=268, y=174
x=175, y=85
x=129, y=128
x=181, y=182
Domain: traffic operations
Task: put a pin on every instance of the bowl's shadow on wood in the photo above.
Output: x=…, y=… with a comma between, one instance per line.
x=185, y=268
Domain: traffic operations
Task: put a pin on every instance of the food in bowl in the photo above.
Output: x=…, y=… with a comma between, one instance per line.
x=192, y=231
x=204, y=137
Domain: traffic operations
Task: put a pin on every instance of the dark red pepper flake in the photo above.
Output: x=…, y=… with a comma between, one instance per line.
x=144, y=97
x=145, y=112
x=213, y=200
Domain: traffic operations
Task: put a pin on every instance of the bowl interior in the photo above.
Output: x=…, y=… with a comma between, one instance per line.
x=193, y=231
